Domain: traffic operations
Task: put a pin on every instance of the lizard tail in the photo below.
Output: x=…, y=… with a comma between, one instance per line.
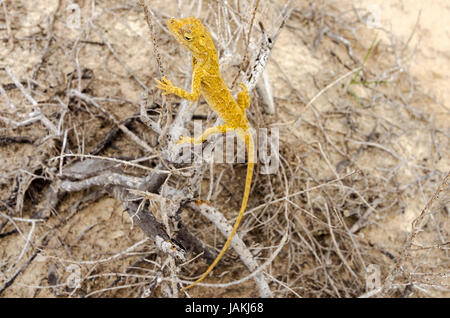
x=247, y=136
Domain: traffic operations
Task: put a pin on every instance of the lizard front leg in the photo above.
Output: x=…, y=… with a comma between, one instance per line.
x=168, y=88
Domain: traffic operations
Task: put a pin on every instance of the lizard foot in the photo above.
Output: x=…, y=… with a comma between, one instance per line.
x=243, y=98
x=166, y=86
x=185, y=140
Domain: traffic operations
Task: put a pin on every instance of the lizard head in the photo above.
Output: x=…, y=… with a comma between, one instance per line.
x=193, y=35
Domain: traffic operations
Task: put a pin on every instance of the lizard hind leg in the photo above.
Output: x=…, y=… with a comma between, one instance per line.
x=200, y=139
x=243, y=99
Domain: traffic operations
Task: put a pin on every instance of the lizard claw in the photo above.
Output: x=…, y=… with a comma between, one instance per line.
x=243, y=87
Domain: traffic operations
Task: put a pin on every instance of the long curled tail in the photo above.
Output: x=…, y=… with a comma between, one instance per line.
x=248, y=138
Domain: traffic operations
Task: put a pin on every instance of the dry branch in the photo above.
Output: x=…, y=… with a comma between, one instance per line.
x=237, y=244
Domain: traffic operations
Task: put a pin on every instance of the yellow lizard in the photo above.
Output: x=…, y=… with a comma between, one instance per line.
x=208, y=82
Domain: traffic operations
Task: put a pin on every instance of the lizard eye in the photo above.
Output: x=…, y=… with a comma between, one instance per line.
x=187, y=38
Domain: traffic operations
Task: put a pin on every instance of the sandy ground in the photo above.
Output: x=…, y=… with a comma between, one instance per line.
x=423, y=24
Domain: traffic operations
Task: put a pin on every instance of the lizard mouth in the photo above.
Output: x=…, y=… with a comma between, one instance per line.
x=175, y=27
x=171, y=21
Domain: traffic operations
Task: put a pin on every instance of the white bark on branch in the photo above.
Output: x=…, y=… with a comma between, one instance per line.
x=238, y=245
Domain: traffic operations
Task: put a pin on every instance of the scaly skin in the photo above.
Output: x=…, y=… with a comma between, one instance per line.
x=208, y=82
